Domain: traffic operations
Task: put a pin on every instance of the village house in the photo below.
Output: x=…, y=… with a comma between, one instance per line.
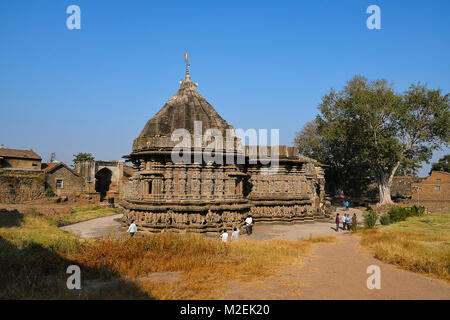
x=17, y=159
x=435, y=187
x=21, y=177
x=62, y=180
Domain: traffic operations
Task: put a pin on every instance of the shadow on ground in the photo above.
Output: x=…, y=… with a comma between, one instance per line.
x=35, y=272
x=10, y=218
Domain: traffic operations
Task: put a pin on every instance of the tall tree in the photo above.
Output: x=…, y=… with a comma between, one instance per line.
x=82, y=156
x=443, y=164
x=370, y=128
x=332, y=146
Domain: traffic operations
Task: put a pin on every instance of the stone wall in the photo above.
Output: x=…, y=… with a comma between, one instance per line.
x=89, y=170
x=401, y=186
x=287, y=213
x=210, y=221
x=18, y=186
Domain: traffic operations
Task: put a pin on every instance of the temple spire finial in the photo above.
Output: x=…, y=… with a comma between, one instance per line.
x=188, y=77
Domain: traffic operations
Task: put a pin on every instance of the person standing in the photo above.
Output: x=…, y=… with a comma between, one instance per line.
x=354, y=222
x=224, y=236
x=249, y=225
x=235, y=234
x=132, y=229
x=337, y=222
x=344, y=221
x=349, y=221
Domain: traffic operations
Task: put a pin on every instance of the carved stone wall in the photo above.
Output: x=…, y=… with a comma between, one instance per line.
x=207, y=198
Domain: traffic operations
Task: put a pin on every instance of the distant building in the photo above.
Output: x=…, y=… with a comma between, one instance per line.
x=435, y=187
x=102, y=177
x=21, y=177
x=16, y=159
x=62, y=180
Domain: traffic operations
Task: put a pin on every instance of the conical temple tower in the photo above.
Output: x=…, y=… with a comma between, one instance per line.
x=194, y=195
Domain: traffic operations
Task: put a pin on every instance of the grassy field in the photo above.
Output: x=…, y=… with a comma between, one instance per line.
x=419, y=244
x=86, y=212
x=34, y=255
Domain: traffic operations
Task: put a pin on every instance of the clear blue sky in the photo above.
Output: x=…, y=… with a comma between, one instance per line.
x=261, y=64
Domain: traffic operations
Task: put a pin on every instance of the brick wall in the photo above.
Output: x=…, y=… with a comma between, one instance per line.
x=435, y=187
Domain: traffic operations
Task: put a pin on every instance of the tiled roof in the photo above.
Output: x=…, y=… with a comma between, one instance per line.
x=17, y=153
x=47, y=167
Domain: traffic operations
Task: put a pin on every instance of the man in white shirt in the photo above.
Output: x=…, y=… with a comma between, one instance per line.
x=249, y=225
x=132, y=228
x=224, y=236
x=344, y=221
x=235, y=234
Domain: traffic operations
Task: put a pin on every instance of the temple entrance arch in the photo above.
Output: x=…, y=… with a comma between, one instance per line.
x=102, y=182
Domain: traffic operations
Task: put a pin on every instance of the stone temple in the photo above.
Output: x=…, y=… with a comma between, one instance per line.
x=207, y=196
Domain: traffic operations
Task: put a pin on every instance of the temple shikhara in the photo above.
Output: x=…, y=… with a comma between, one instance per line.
x=204, y=196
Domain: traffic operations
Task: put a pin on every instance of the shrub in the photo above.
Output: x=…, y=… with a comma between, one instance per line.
x=397, y=214
x=370, y=219
x=417, y=210
x=385, y=220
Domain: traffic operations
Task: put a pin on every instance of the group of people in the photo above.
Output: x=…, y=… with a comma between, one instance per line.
x=346, y=220
x=236, y=230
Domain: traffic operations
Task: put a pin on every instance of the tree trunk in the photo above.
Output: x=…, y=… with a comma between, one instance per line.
x=384, y=190
x=384, y=186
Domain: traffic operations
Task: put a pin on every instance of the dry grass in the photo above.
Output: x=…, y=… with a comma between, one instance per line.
x=206, y=264
x=419, y=244
x=34, y=255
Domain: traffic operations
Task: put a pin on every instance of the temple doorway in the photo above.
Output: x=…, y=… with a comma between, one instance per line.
x=102, y=182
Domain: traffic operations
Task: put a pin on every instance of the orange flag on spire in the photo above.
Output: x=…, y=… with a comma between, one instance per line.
x=185, y=57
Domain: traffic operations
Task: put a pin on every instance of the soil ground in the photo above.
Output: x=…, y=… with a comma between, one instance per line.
x=338, y=271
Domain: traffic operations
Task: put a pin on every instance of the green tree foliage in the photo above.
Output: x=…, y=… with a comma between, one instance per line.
x=443, y=164
x=367, y=131
x=82, y=156
x=334, y=146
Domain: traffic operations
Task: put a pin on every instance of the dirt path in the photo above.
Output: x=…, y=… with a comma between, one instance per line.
x=95, y=227
x=300, y=230
x=338, y=271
